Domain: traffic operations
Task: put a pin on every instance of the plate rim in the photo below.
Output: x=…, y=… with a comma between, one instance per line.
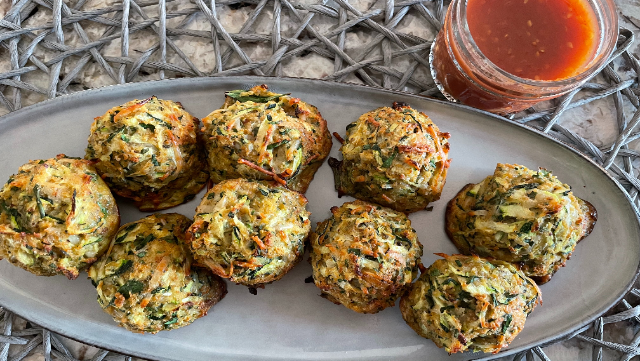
x=253, y=79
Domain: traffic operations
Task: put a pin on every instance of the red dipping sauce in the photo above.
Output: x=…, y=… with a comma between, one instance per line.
x=534, y=39
x=506, y=55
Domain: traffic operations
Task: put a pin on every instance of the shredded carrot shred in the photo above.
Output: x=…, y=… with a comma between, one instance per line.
x=265, y=143
x=425, y=148
x=331, y=248
x=217, y=269
x=260, y=169
x=357, y=209
x=338, y=137
x=439, y=149
x=145, y=301
x=129, y=110
x=443, y=157
x=230, y=124
x=386, y=198
x=287, y=173
x=246, y=264
x=279, y=180
x=412, y=163
x=373, y=275
x=258, y=242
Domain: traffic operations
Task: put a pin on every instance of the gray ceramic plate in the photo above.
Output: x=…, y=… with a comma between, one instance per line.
x=288, y=320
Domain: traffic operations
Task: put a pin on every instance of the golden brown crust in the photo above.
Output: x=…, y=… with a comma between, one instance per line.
x=147, y=281
x=521, y=216
x=396, y=157
x=258, y=134
x=56, y=217
x=150, y=151
x=251, y=232
x=591, y=217
x=365, y=256
x=466, y=302
x=448, y=222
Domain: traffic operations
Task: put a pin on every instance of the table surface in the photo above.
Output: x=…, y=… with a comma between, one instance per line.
x=53, y=47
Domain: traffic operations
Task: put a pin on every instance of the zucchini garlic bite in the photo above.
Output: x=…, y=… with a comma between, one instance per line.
x=149, y=151
x=258, y=134
x=56, y=217
x=251, y=232
x=364, y=256
x=147, y=281
x=396, y=157
x=470, y=303
x=521, y=216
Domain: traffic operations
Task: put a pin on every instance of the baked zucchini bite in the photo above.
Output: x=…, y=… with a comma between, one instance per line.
x=258, y=134
x=149, y=151
x=364, y=256
x=56, y=217
x=251, y=232
x=521, y=216
x=395, y=157
x=147, y=281
x=470, y=303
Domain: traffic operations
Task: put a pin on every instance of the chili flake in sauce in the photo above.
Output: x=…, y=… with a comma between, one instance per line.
x=535, y=39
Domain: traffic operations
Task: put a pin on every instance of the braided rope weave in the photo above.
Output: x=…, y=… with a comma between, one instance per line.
x=54, y=47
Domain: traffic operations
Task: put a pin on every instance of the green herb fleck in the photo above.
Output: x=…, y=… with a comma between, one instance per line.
x=150, y=127
x=446, y=308
x=141, y=242
x=171, y=322
x=162, y=122
x=526, y=228
x=155, y=161
x=131, y=287
x=124, y=267
x=112, y=135
x=161, y=289
x=36, y=191
x=236, y=94
x=386, y=162
x=506, y=323
x=277, y=144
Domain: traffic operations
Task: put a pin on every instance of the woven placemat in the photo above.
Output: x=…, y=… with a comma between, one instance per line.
x=54, y=47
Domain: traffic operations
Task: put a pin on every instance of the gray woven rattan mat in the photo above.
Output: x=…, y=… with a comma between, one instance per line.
x=54, y=47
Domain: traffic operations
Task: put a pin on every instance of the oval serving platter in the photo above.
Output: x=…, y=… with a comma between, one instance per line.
x=288, y=320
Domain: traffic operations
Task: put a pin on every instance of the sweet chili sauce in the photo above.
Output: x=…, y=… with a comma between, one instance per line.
x=534, y=39
x=506, y=55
